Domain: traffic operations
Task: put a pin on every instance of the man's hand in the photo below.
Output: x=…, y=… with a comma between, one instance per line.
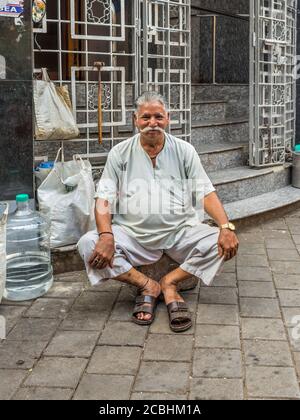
x=227, y=244
x=103, y=254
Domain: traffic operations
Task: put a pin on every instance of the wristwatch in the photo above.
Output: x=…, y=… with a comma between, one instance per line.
x=228, y=225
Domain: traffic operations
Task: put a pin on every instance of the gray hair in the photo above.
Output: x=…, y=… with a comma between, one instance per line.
x=150, y=96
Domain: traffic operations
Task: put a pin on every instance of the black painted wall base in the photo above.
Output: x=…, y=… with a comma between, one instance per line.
x=16, y=108
x=16, y=146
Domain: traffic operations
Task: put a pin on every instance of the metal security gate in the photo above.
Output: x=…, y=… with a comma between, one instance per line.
x=166, y=58
x=144, y=44
x=272, y=81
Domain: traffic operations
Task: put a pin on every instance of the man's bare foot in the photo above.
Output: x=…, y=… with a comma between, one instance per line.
x=152, y=288
x=169, y=290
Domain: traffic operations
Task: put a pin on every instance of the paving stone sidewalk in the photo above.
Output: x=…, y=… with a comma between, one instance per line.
x=77, y=342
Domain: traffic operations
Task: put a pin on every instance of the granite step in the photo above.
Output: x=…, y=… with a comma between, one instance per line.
x=208, y=110
x=218, y=91
x=232, y=130
x=234, y=184
x=220, y=156
x=264, y=206
x=237, y=96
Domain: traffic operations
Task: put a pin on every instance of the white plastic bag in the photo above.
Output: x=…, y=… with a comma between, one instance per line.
x=54, y=119
x=67, y=197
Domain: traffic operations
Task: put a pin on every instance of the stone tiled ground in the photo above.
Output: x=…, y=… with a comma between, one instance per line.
x=77, y=342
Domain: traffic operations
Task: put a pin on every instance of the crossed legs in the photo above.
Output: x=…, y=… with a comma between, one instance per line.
x=196, y=251
x=147, y=286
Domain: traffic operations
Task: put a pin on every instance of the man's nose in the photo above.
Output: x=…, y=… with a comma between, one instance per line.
x=153, y=121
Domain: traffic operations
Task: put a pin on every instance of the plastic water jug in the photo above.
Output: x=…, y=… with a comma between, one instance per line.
x=29, y=272
x=3, y=219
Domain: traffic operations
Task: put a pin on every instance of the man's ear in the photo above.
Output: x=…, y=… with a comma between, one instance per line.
x=134, y=118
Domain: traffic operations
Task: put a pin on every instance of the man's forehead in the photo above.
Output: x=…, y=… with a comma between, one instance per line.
x=152, y=107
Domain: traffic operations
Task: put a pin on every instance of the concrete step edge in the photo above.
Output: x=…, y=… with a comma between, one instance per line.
x=210, y=102
x=239, y=174
x=262, y=204
x=220, y=123
x=221, y=148
x=216, y=85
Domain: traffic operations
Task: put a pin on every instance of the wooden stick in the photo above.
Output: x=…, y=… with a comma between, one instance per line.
x=99, y=66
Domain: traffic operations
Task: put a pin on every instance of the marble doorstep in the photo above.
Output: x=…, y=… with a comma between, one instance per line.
x=263, y=203
x=208, y=110
x=242, y=182
x=237, y=174
x=227, y=130
x=220, y=156
x=220, y=122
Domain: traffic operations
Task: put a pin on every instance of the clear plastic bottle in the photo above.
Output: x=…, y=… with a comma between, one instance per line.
x=29, y=272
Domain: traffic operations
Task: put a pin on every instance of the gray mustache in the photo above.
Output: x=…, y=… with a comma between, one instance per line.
x=147, y=129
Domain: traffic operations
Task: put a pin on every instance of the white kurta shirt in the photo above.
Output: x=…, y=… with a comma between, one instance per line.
x=153, y=204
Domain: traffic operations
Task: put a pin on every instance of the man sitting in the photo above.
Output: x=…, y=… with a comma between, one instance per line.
x=148, y=202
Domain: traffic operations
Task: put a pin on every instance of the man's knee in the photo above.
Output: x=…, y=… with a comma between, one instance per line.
x=211, y=247
x=86, y=244
x=213, y=241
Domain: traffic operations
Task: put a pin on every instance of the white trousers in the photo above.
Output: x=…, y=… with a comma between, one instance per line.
x=195, y=250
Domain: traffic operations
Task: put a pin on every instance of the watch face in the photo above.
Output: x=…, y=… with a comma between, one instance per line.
x=231, y=226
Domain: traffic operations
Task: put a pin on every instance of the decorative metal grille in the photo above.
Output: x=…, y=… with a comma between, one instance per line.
x=166, y=58
x=272, y=81
x=145, y=44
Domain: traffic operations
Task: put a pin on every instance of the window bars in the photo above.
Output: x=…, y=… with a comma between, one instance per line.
x=145, y=45
x=272, y=80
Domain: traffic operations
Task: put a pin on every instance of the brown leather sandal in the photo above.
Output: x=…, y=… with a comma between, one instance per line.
x=179, y=316
x=146, y=304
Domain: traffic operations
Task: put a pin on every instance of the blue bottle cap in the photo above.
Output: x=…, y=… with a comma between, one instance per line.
x=46, y=165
